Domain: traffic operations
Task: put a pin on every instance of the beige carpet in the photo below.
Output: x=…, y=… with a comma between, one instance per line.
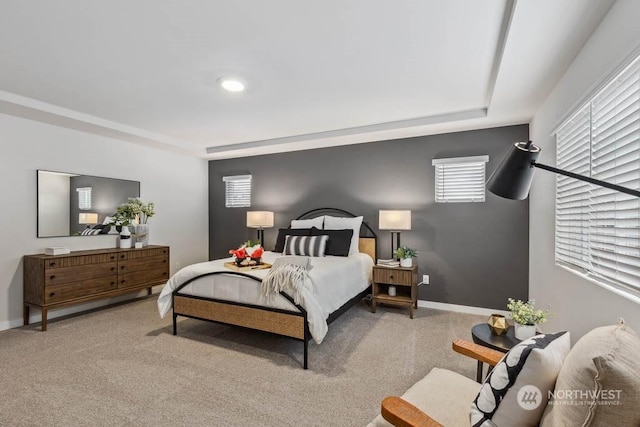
x=122, y=367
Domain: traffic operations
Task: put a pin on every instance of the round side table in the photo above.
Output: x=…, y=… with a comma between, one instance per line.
x=481, y=334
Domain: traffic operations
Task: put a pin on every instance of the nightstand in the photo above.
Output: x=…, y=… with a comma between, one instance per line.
x=405, y=281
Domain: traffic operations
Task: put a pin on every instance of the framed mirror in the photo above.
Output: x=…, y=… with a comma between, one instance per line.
x=75, y=205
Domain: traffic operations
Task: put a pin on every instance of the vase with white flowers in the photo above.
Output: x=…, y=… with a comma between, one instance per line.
x=526, y=317
x=137, y=212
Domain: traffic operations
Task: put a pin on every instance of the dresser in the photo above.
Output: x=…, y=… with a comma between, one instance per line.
x=54, y=281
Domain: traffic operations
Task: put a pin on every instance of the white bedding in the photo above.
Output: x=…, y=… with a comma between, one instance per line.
x=335, y=281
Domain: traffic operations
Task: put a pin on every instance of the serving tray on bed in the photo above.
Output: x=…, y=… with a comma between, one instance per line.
x=234, y=267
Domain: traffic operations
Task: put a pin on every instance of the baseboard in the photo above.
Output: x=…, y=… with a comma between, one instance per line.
x=462, y=308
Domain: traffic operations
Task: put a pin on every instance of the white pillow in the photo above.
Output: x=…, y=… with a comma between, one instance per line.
x=338, y=223
x=516, y=391
x=308, y=223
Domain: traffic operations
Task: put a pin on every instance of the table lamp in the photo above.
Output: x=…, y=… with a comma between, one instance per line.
x=394, y=221
x=260, y=220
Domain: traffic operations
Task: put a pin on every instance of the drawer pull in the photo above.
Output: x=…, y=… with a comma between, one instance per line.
x=52, y=277
x=113, y=268
x=52, y=264
x=122, y=267
x=112, y=257
x=164, y=260
x=51, y=294
x=164, y=274
x=122, y=256
x=390, y=277
x=121, y=281
x=113, y=283
x=164, y=251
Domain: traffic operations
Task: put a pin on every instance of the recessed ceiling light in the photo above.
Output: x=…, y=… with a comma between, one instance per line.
x=231, y=84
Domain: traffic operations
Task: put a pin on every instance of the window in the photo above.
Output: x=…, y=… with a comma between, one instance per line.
x=237, y=191
x=598, y=229
x=460, y=179
x=84, y=198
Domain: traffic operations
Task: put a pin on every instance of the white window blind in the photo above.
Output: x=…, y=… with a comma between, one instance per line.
x=84, y=197
x=604, y=241
x=237, y=191
x=460, y=179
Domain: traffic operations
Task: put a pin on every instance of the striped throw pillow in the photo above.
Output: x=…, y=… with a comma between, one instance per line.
x=305, y=245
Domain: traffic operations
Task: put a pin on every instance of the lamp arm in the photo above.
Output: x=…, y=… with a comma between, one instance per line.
x=587, y=179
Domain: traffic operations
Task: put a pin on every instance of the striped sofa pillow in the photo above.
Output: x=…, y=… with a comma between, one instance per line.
x=305, y=245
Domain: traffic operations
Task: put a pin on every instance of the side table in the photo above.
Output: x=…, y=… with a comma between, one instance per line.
x=481, y=334
x=404, y=279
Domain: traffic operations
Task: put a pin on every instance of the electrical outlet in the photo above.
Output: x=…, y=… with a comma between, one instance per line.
x=177, y=265
x=425, y=279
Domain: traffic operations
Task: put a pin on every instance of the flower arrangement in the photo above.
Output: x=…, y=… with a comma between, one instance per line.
x=404, y=252
x=136, y=211
x=249, y=253
x=525, y=313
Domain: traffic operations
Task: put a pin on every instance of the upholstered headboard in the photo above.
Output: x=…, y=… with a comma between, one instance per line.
x=368, y=238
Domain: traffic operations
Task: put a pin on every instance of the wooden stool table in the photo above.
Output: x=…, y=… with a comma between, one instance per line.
x=481, y=334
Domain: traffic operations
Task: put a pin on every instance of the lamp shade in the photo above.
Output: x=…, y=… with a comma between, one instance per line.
x=394, y=220
x=87, y=218
x=259, y=219
x=512, y=178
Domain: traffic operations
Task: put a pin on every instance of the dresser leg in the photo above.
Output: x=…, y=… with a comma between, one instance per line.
x=25, y=315
x=44, y=319
x=411, y=311
x=149, y=291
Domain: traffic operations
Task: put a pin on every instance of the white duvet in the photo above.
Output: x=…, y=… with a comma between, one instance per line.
x=335, y=281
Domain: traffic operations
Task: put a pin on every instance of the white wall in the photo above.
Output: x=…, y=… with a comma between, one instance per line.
x=176, y=183
x=579, y=305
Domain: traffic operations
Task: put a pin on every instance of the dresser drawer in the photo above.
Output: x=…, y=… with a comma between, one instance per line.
x=77, y=261
x=149, y=263
x=141, y=278
x=71, y=291
x=149, y=252
x=58, y=276
x=392, y=276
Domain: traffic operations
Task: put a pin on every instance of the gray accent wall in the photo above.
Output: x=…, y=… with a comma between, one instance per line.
x=475, y=254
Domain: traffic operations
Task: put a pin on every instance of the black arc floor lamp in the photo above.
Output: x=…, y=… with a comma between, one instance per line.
x=512, y=178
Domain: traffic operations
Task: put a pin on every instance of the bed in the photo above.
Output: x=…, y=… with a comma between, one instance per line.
x=209, y=291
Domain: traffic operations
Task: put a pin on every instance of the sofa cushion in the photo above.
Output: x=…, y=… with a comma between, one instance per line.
x=443, y=395
x=599, y=383
x=515, y=392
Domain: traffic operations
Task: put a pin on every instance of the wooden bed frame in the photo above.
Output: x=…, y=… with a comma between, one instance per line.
x=288, y=323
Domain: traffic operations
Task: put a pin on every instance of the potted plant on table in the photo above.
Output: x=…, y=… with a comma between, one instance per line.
x=526, y=317
x=405, y=255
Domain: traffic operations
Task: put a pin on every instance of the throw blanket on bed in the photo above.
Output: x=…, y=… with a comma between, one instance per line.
x=290, y=275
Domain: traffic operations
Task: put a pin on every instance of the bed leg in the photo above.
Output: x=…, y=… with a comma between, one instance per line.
x=175, y=324
x=306, y=354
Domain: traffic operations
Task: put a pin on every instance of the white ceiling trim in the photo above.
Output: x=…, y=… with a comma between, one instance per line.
x=29, y=108
x=358, y=130
x=507, y=19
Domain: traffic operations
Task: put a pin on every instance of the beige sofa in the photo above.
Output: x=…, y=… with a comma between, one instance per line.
x=598, y=384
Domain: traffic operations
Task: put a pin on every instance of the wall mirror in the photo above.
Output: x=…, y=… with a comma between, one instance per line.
x=75, y=205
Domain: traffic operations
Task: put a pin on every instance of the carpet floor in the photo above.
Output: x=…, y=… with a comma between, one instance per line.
x=121, y=366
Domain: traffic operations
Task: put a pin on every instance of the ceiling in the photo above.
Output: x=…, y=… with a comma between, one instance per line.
x=318, y=73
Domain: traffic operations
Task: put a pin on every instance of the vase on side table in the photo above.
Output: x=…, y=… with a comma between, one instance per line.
x=406, y=262
x=524, y=332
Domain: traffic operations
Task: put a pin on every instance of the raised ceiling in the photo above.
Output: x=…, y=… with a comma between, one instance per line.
x=318, y=73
